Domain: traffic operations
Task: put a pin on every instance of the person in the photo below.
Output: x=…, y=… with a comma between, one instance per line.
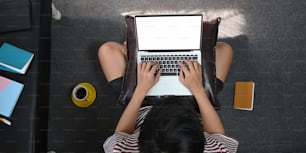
x=170, y=125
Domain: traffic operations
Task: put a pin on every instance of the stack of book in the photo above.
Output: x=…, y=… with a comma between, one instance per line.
x=16, y=60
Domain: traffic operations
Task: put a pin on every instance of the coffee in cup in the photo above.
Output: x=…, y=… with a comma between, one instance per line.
x=80, y=93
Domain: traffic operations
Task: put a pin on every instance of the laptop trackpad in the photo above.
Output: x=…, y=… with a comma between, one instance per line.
x=169, y=85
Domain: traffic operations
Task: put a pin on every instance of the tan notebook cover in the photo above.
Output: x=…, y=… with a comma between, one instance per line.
x=244, y=95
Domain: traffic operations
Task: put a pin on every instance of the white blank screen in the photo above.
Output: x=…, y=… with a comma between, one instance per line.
x=169, y=32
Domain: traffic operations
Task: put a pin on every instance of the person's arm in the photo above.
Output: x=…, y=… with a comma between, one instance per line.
x=191, y=77
x=145, y=81
x=211, y=121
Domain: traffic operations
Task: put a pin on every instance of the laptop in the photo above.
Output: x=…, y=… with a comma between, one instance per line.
x=167, y=39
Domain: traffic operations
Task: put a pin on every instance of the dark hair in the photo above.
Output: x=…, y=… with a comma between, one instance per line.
x=172, y=126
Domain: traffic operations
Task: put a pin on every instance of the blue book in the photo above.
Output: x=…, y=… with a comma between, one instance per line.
x=14, y=59
x=9, y=94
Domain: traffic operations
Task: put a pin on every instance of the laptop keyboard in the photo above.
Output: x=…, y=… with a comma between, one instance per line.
x=168, y=63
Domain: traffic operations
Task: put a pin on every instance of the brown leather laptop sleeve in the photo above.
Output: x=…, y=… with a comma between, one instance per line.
x=209, y=39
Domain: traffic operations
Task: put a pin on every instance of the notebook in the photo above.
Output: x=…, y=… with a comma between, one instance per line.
x=169, y=39
x=244, y=95
x=9, y=93
x=14, y=59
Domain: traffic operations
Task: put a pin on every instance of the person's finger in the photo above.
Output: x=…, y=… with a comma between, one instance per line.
x=158, y=75
x=183, y=67
x=182, y=76
x=190, y=65
x=194, y=63
x=200, y=67
x=149, y=66
x=154, y=67
x=197, y=66
x=140, y=66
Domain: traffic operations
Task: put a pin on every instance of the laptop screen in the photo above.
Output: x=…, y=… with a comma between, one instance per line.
x=176, y=32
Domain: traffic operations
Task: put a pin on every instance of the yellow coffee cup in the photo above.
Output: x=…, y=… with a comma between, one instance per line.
x=83, y=94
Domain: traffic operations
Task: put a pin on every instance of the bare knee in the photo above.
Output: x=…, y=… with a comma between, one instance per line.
x=111, y=48
x=224, y=57
x=112, y=60
x=224, y=49
x=106, y=48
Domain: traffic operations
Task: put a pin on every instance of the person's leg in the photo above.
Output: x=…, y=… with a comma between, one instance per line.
x=112, y=57
x=224, y=57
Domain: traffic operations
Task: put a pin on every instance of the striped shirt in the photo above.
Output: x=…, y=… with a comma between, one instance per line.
x=122, y=142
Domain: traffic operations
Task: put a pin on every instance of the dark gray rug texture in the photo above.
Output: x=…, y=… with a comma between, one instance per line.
x=268, y=38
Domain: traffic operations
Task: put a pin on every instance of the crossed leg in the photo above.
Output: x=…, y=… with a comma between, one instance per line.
x=113, y=55
x=224, y=57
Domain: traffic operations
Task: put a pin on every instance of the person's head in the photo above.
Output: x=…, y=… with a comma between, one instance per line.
x=171, y=127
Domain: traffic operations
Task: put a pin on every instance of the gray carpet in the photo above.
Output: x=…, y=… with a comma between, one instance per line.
x=269, y=44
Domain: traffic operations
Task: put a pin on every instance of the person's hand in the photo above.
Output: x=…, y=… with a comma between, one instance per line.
x=191, y=76
x=147, y=76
